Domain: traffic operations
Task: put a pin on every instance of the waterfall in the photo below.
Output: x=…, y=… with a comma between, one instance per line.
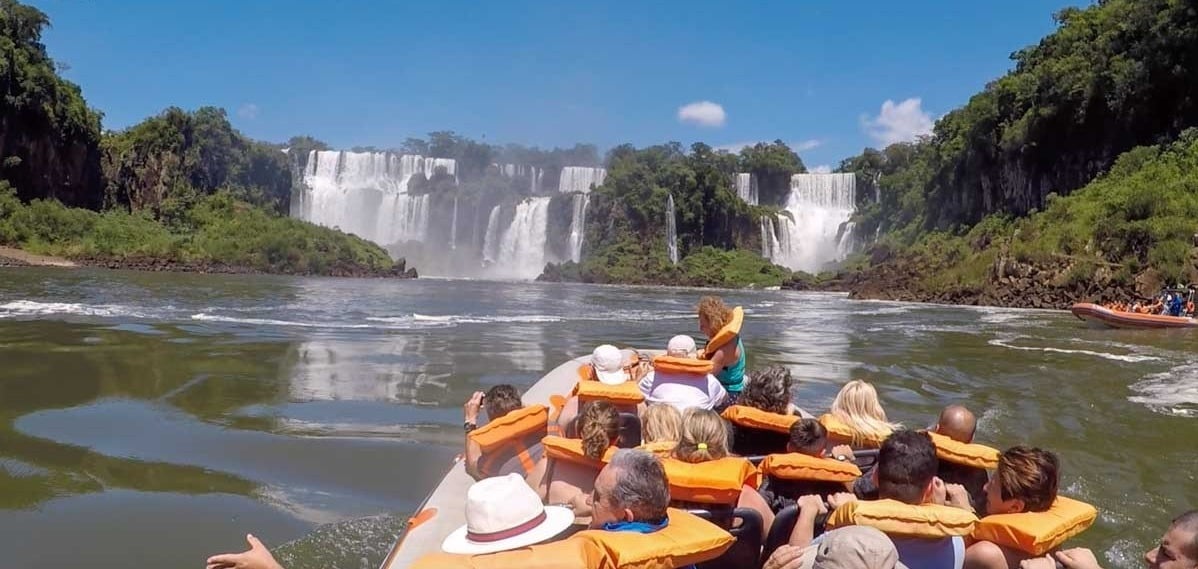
x=580, y=179
x=671, y=231
x=535, y=175
x=366, y=193
x=578, y=226
x=522, y=247
x=816, y=231
x=453, y=225
x=746, y=188
x=491, y=239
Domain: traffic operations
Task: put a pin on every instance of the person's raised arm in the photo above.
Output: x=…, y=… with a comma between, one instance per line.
x=810, y=506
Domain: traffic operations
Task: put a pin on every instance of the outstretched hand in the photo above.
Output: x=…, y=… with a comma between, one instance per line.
x=1078, y=558
x=257, y=557
x=472, y=407
x=785, y=557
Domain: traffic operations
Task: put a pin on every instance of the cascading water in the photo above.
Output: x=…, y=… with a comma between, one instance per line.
x=816, y=231
x=671, y=231
x=453, y=225
x=746, y=188
x=580, y=179
x=522, y=247
x=366, y=193
x=535, y=175
x=491, y=238
x=578, y=226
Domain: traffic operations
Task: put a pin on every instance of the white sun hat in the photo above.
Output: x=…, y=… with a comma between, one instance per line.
x=504, y=513
x=608, y=362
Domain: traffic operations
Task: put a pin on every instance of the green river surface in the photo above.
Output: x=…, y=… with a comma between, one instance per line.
x=154, y=419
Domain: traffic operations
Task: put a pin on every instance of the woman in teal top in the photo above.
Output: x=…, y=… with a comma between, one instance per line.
x=727, y=360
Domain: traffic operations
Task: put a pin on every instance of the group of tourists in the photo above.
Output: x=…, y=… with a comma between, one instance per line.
x=1170, y=302
x=702, y=456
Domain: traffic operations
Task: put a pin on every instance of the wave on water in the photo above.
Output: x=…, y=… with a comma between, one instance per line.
x=1172, y=392
x=27, y=308
x=204, y=317
x=1131, y=358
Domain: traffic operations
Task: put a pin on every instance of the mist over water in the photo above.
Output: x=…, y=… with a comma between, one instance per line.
x=318, y=413
x=814, y=229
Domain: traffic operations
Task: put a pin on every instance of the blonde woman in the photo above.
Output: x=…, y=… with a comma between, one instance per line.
x=704, y=437
x=660, y=423
x=857, y=408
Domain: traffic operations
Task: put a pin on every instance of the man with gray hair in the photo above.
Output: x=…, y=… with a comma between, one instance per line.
x=631, y=494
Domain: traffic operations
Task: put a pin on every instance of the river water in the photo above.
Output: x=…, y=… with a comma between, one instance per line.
x=160, y=417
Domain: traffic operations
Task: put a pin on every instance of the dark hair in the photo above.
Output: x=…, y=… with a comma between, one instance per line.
x=808, y=436
x=1189, y=522
x=642, y=486
x=1029, y=474
x=501, y=400
x=906, y=465
x=767, y=389
x=598, y=426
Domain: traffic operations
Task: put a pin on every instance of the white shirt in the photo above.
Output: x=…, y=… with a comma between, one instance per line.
x=682, y=391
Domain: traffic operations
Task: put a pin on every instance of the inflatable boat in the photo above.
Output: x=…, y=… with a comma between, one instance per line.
x=445, y=509
x=1102, y=316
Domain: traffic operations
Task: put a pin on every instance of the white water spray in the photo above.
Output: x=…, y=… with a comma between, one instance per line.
x=671, y=231
x=580, y=179
x=746, y=188
x=522, y=247
x=816, y=231
x=578, y=226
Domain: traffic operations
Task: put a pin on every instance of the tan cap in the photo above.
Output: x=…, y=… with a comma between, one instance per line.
x=852, y=547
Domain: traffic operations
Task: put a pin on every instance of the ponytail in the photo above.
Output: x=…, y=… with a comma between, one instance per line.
x=599, y=427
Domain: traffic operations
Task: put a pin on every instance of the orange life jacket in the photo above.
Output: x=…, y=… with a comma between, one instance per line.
x=753, y=418
x=840, y=432
x=626, y=394
x=712, y=482
x=897, y=519
x=511, y=436
x=726, y=334
x=686, y=540
x=965, y=454
x=686, y=366
x=1037, y=532
x=801, y=467
x=570, y=450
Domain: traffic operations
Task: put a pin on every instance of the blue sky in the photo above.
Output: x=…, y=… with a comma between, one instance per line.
x=814, y=73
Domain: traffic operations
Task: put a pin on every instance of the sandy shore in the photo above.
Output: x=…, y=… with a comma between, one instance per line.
x=10, y=256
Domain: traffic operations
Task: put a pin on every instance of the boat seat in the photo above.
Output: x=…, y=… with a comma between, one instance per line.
x=784, y=525
x=630, y=430
x=746, y=552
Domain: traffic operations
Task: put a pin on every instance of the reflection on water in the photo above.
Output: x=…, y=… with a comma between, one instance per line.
x=196, y=408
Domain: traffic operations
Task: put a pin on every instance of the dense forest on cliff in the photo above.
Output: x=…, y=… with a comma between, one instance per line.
x=1102, y=103
x=180, y=189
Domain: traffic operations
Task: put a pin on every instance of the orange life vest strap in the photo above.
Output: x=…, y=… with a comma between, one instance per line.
x=1037, y=533
x=570, y=450
x=965, y=454
x=753, y=418
x=726, y=334
x=511, y=436
x=897, y=519
x=624, y=394
x=688, y=366
x=712, y=482
x=800, y=467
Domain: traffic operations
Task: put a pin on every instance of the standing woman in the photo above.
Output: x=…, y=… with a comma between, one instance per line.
x=721, y=325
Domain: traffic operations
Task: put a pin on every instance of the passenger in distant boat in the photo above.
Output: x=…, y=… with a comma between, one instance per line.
x=1026, y=480
x=1178, y=549
x=564, y=482
x=660, y=423
x=498, y=401
x=728, y=359
x=703, y=438
x=959, y=424
x=681, y=389
x=857, y=408
x=769, y=390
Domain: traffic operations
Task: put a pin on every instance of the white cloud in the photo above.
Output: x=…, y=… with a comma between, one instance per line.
x=806, y=144
x=899, y=122
x=248, y=111
x=821, y=169
x=702, y=113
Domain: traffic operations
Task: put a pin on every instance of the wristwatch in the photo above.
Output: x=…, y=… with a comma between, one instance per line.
x=469, y=426
x=841, y=457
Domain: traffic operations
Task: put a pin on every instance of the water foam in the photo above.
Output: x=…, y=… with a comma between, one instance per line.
x=1131, y=358
x=19, y=308
x=1172, y=392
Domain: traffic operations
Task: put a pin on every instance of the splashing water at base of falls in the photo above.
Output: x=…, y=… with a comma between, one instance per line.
x=453, y=225
x=578, y=226
x=671, y=231
x=814, y=231
x=580, y=179
x=366, y=193
x=522, y=247
x=746, y=188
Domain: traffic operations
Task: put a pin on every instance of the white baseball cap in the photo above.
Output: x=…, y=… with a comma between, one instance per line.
x=504, y=513
x=681, y=346
x=608, y=362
